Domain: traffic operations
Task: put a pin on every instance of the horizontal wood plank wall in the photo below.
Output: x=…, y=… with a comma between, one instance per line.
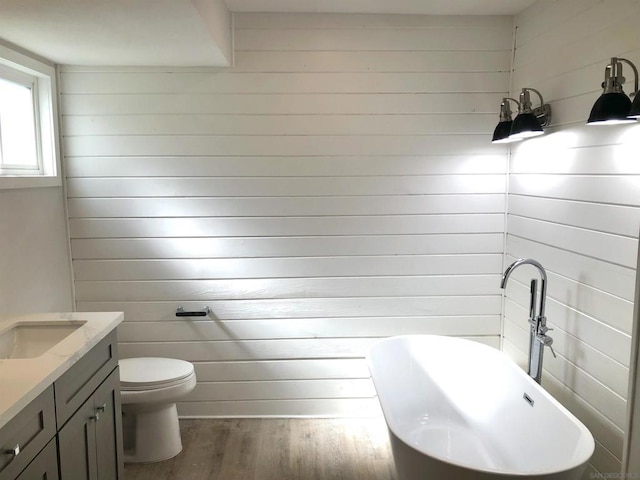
x=574, y=205
x=336, y=186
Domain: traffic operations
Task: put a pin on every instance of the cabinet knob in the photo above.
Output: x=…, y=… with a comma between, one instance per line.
x=14, y=452
x=101, y=409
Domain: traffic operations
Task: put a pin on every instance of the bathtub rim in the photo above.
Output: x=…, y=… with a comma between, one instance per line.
x=585, y=432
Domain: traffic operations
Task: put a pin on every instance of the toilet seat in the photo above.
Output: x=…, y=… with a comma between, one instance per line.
x=153, y=373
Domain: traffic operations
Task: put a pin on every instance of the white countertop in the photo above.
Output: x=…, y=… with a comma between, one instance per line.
x=23, y=379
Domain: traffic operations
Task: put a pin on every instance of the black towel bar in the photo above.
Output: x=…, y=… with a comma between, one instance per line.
x=180, y=312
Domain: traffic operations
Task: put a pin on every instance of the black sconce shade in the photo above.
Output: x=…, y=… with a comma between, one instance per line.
x=526, y=125
x=502, y=132
x=611, y=108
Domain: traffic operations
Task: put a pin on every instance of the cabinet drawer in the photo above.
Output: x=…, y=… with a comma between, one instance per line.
x=45, y=465
x=29, y=431
x=81, y=380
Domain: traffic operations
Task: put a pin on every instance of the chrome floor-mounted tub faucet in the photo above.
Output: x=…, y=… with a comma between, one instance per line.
x=538, y=338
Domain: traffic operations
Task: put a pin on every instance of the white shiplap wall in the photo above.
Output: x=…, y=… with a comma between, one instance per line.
x=336, y=186
x=574, y=205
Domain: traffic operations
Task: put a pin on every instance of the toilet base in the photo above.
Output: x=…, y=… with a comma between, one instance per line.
x=151, y=432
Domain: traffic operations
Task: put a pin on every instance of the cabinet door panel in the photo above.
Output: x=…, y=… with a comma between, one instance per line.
x=77, y=445
x=109, y=428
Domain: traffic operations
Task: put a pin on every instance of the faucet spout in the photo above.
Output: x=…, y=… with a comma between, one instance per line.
x=543, y=279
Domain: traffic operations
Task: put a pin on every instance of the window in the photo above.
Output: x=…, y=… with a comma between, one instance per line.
x=19, y=152
x=28, y=143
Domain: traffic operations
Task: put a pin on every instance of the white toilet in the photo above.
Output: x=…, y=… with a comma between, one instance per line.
x=149, y=389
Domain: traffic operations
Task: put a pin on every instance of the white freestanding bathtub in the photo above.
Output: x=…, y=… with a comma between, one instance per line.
x=458, y=410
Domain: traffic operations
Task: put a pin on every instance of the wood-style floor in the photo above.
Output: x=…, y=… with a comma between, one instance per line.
x=276, y=449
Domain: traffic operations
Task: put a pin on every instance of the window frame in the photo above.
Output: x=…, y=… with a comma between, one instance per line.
x=45, y=118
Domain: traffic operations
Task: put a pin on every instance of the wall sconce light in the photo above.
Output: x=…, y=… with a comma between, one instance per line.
x=614, y=106
x=529, y=121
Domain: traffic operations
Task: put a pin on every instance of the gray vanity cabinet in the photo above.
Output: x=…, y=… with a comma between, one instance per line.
x=83, y=408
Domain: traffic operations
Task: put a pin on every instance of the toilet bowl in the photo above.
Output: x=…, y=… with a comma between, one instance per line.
x=149, y=389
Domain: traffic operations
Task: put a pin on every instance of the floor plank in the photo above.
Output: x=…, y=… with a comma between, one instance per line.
x=276, y=449
x=274, y=456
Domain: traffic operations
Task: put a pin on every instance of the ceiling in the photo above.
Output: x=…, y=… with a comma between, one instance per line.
x=165, y=32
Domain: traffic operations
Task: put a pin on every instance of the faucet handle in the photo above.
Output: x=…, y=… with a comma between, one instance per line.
x=552, y=351
x=547, y=342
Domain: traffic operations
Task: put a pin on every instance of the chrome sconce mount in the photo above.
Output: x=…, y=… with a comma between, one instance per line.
x=529, y=122
x=614, y=107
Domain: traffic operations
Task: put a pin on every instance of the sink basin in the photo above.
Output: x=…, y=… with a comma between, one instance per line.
x=32, y=339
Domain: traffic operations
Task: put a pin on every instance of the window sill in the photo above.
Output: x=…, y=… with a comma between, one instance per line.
x=29, y=181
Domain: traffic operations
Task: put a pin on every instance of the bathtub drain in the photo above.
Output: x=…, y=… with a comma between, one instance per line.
x=528, y=399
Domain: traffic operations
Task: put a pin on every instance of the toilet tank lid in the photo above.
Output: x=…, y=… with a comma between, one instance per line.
x=152, y=371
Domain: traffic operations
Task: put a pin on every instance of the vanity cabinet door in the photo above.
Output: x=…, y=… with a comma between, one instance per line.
x=109, y=428
x=90, y=443
x=77, y=445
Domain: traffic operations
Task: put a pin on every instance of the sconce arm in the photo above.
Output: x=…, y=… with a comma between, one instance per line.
x=635, y=74
x=536, y=92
